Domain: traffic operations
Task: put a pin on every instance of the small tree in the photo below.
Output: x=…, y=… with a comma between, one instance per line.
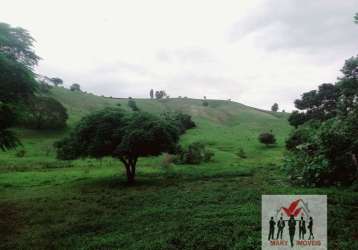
x=118, y=134
x=274, y=107
x=151, y=93
x=160, y=94
x=132, y=104
x=56, y=81
x=267, y=139
x=75, y=87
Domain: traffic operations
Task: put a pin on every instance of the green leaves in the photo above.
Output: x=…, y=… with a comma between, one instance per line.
x=113, y=132
x=17, y=44
x=17, y=81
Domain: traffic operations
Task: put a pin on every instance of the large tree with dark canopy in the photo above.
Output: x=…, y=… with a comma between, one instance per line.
x=324, y=148
x=319, y=104
x=119, y=134
x=17, y=81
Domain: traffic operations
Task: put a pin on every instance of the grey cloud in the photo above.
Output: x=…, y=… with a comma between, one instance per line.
x=311, y=26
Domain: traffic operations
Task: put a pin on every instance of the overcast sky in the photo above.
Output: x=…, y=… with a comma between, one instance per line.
x=254, y=52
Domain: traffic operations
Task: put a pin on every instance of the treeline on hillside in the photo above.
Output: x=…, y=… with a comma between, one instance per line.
x=323, y=148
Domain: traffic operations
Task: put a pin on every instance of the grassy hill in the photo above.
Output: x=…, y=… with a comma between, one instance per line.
x=86, y=204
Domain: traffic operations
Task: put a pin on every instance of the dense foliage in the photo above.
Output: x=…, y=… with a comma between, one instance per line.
x=180, y=120
x=17, y=45
x=323, y=149
x=44, y=113
x=297, y=118
x=17, y=80
x=115, y=133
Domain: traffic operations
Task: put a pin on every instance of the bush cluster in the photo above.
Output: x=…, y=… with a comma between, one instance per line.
x=267, y=138
x=325, y=154
x=195, y=153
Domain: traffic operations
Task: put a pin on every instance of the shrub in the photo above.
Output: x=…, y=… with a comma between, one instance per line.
x=195, y=153
x=267, y=138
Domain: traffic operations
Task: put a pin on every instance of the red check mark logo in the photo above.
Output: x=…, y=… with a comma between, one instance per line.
x=291, y=210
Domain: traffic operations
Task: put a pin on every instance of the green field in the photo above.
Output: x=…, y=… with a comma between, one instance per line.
x=86, y=204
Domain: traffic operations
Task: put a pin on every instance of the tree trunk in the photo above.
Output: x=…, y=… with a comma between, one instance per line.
x=129, y=164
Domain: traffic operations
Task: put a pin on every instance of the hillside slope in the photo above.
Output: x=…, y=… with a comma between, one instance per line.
x=225, y=126
x=218, y=111
x=86, y=203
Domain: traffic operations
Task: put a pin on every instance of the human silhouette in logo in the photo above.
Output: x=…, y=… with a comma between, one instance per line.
x=302, y=228
x=310, y=227
x=280, y=226
x=272, y=229
x=291, y=228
